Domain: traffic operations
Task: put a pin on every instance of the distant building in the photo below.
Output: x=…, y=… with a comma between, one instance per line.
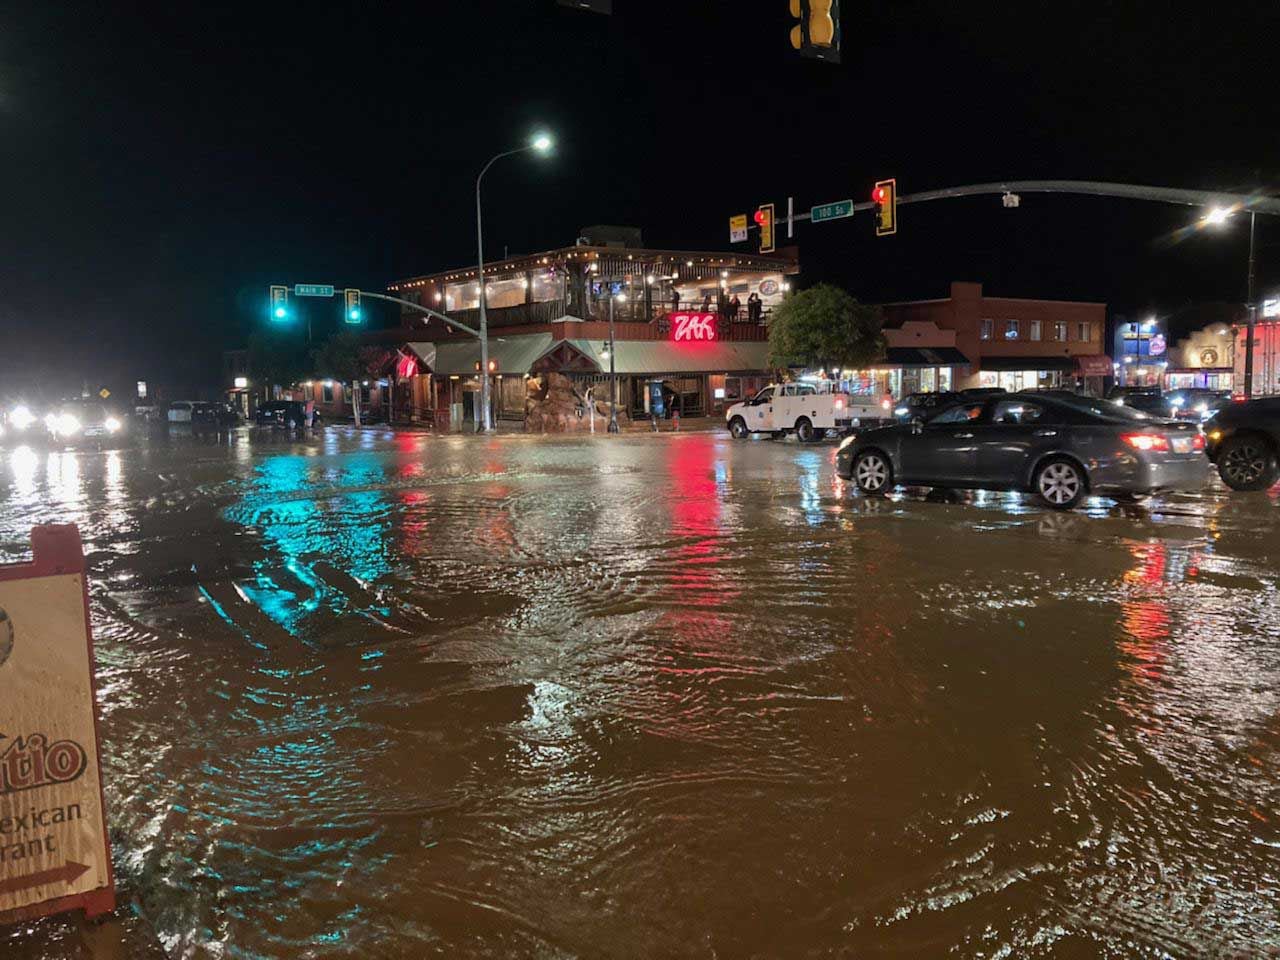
x=972, y=340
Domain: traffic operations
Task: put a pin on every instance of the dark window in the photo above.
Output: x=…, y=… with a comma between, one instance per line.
x=327, y=392
x=961, y=414
x=1016, y=411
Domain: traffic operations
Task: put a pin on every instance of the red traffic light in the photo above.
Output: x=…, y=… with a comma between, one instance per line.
x=760, y=216
x=879, y=195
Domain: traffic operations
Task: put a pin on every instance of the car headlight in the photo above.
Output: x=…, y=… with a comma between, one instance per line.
x=21, y=417
x=1215, y=435
x=63, y=425
x=848, y=441
x=900, y=412
x=1202, y=408
x=113, y=425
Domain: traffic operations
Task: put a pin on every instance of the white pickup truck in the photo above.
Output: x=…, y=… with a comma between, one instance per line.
x=807, y=409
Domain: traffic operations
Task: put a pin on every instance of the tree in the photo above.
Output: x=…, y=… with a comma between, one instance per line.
x=825, y=327
x=340, y=358
x=276, y=358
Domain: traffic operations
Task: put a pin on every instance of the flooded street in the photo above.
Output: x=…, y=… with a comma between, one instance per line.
x=391, y=695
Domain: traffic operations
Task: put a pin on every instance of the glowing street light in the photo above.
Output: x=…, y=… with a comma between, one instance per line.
x=1217, y=216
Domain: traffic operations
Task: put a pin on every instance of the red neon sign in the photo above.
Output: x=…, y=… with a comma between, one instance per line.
x=691, y=327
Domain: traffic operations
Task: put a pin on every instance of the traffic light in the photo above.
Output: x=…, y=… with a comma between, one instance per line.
x=353, y=305
x=885, y=197
x=279, y=302
x=764, y=219
x=817, y=34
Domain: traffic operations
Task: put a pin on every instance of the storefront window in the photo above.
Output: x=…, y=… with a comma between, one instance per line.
x=929, y=380
x=988, y=379
x=944, y=378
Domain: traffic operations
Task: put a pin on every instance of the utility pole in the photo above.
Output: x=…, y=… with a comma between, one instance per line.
x=1252, y=306
x=613, y=376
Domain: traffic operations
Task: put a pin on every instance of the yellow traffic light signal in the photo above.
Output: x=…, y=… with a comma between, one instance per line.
x=885, y=197
x=817, y=34
x=764, y=218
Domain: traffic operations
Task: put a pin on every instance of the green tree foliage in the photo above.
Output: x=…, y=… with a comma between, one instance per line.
x=825, y=327
x=277, y=358
x=339, y=357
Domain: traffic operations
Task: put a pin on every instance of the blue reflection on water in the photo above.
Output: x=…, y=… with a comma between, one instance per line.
x=305, y=526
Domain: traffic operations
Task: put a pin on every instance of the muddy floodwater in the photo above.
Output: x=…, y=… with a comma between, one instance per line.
x=396, y=696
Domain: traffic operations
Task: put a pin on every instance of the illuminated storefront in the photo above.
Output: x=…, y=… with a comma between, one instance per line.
x=1140, y=349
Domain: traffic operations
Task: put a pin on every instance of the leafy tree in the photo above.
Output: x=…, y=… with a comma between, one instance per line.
x=341, y=358
x=276, y=358
x=825, y=327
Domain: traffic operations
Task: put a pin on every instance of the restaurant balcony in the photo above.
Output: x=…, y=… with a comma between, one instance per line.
x=635, y=320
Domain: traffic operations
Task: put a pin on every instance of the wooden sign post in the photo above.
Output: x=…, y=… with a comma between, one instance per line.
x=54, y=852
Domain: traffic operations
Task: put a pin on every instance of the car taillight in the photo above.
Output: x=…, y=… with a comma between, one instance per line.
x=1238, y=398
x=1146, y=441
x=839, y=403
x=1197, y=442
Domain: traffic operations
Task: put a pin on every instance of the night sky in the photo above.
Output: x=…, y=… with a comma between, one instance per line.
x=163, y=163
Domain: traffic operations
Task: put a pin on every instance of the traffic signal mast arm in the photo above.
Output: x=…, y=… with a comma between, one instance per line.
x=1128, y=191
x=421, y=309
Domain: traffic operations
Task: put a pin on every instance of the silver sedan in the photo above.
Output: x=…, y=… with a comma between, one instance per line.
x=1060, y=448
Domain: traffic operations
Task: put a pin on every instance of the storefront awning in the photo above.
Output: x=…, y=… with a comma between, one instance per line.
x=1094, y=365
x=664, y=356
x=514, y=355
x=1031, y=363
x=924, y=357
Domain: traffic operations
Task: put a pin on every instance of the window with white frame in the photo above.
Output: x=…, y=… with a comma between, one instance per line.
x=1060, y=330
x=1034, y=333
x=987, y=330
x=1011, y=329
x=1085, y=331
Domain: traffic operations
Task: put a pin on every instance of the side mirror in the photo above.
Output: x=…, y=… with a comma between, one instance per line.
x=917, y=425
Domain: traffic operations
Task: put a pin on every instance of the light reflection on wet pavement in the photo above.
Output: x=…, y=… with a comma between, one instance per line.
x=398, y=696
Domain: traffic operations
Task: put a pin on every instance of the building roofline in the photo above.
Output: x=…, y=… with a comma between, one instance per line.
x=708, y=258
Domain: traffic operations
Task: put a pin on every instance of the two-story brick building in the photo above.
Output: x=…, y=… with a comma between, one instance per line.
x=1014, y=343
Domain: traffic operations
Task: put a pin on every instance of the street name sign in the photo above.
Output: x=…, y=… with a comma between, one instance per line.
x=831, y=211
x=738, y=228
x=313, y=290
x=54, y=852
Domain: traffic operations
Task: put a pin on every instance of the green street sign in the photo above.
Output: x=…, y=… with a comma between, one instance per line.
x=312, y=290
x=832, y=211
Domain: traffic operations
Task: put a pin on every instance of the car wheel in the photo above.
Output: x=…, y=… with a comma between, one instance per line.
x=1246, y=463
x=1060, y=484
x=872, y=472
x=804, y=430
x=738, y=428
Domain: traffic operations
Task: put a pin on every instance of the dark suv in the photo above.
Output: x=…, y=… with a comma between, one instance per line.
x=285, y=413
x=1243, y=440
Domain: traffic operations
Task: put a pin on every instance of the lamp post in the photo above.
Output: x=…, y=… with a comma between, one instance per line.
x=1217, y=217
x=541, y=143
x=613, y=376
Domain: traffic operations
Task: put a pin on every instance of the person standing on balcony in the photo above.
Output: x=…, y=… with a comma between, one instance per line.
x=675, y=299
x=706, y=303
x=735, y=305
x=754, y=307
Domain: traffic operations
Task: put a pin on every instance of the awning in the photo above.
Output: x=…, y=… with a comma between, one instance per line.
x=1031, y=363
x=664, y=356
x=924, y=357
x=1094, y=365
x=514, y=355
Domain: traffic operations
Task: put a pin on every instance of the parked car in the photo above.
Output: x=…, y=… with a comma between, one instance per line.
x=1058, y=448
x=77, y=421
x=981, y=393
x=1150, y=400
x=925, y=405
x=180, y=411
x=1243, y=441
x=807, y=409
x=285, y=413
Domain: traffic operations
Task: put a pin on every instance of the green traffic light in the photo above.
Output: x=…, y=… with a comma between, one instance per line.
x=354, y=314
x=280, y=313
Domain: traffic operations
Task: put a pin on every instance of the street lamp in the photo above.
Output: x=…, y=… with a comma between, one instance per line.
x=541, y=143
x=613, y=376
x=1217, y=217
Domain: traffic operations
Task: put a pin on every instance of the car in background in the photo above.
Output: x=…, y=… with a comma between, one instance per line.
x=1058, y=448
x=180, y=411
x=215, y=415
x=20, y=423
x=925, y=404
x=286, y=413
x=1197, y=403
x=84, y=421
x=1243, y=442
x=981, y=393
x=1146, y=399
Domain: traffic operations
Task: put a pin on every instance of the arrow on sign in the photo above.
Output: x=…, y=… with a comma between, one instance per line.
x=68, y=873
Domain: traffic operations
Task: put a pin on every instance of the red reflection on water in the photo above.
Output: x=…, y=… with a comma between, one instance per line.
x=1145, y=618
x=695, y=521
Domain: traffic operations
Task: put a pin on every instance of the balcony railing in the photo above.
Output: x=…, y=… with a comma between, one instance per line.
x=630, y=312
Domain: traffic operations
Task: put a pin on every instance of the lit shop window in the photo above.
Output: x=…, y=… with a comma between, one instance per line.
x=1011, y=329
